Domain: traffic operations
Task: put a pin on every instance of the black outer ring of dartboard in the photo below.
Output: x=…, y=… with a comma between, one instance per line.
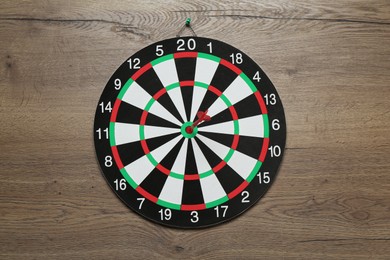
x=207, y=217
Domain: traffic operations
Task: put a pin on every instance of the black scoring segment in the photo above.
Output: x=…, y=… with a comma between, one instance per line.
x=170, y=159
x=212, y=158
x=224, y=139
x=156, y=142
x=187, y=93
x=192, y=193
x=247, y=107
x=158, y=121
x=190, y=168
x=130, y=152
x=222, y=79
x=128, y=114
x=221, y=117
x=229, y=179
x=166, y=102
x=250, y=146
x=186, y=72
x=154, y=182
x=150, y=82
x=186, y=68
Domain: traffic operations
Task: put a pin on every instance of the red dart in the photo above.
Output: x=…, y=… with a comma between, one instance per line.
x=202, y=116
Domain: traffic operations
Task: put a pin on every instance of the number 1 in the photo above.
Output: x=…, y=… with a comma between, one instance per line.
x=210, y=47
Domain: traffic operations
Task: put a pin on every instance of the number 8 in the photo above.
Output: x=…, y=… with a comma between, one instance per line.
x=108, y=161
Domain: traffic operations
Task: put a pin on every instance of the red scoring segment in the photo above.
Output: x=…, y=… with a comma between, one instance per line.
x=187, y=83
x=237, y=190
x=186, y=54
x=146, y=194
x=117, y=158
x=230, y=66
x=141, y=71
x=115, y=110
x=193, y=207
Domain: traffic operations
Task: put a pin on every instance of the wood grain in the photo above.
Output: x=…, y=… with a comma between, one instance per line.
x=329, y=62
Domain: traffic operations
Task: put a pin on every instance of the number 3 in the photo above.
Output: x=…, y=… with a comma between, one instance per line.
x=195, y=217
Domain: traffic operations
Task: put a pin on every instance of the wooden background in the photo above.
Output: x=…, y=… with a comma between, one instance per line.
x=330, y=62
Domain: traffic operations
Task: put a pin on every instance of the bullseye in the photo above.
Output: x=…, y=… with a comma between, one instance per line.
x=189, y=130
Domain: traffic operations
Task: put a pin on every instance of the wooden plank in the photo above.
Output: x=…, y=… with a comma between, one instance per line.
x=329, y=63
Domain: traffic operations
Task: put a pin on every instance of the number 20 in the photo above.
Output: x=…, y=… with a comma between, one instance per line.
x=191, y=44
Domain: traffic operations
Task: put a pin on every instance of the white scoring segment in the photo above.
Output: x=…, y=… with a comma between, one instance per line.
x=205, y=69
x=177, y=99
x=197, y=97
x=142, y=167
x=201, y=162
x=138, y=97
x=242, y=164
x=139, y=169
x=212, y=189
x=239, y=162
x=251, y=126
x=235, y=92
x=204, y=72
x=218, y=106
x=222, y=128
x=126, y=133
x=172, y=190
x=160, y=152
x=155, y=131
x=219, y=149
x=167, y=73
x=180, y=162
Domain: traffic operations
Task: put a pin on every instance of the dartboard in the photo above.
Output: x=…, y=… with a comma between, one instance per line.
x=189, y=132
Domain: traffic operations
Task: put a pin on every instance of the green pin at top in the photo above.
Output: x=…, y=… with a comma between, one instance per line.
x=186, y=25
x=188, y=21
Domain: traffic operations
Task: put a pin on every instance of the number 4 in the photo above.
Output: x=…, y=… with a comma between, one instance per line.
x=257, y=76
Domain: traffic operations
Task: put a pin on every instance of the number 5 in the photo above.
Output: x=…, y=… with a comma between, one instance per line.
x=159, y=50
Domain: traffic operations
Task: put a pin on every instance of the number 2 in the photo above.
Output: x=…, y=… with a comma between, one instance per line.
x=245, y=196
